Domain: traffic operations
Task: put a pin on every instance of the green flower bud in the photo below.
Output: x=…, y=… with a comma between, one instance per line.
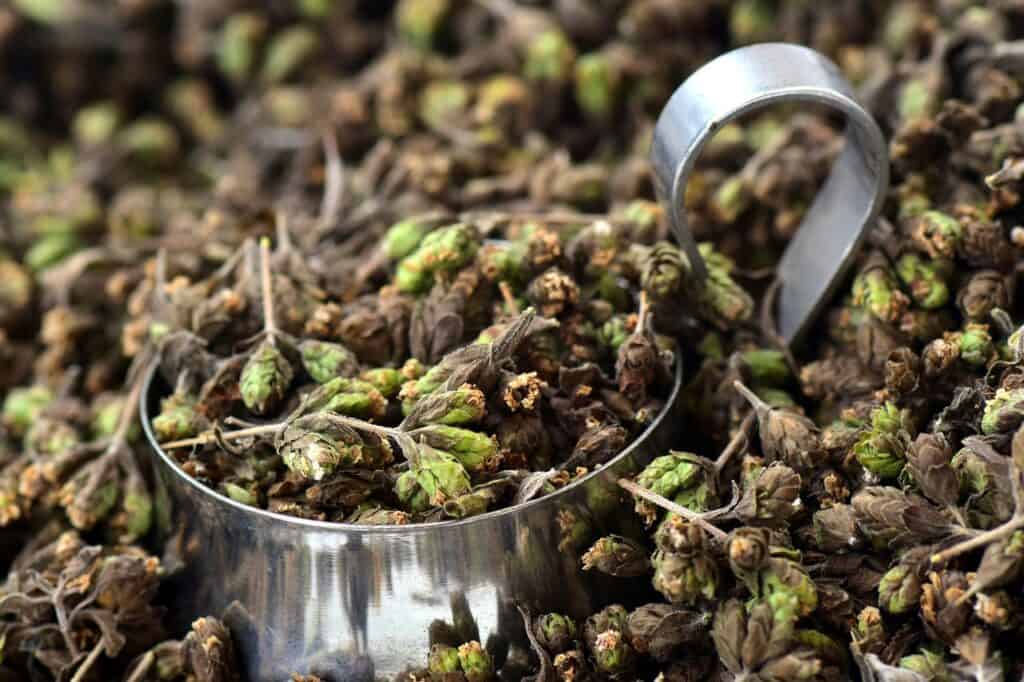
x=473, y=503
x=1004, y=412
x=549, y=57
x=597, y=85
x=937, y=234
x=150, y=140
x=51, y=249
x=723, y=301
x=869, y=630
x=464, y=405
x=555, y=632
x=752, y=21
x=324, y=361
x=432, y=479
x=265, y=377
x=475, y=661
x=730, y=200
x=240, y=494
x=350, y=397
x=882, y=449
x=106, y=415
x=442, y=102
x=924, y=280
x=192, y=101
x=94, y=125
x=177, y=419
x=287, y=51
x=289, y=106
x=237, y=43
x=663, y=271
x=900, y=590
x=48, y=436
x=876, y=291
x=317, y=444
x=684, y=579
x=387, y=380
x=478, y=452
x=929, y=664
x=668, y=474
x=786, y=577
x=503, y=262
x=767, y=367
x=420, y=21
x=442, y=250
x=443, y=659
x=612, y=653
x=613, y=333
x=23, y=405
x=405, y=236
x=975, y=344
x=137, y=515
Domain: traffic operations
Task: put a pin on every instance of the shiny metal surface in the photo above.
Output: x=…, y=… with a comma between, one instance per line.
x=356, y=602
x=761, y=75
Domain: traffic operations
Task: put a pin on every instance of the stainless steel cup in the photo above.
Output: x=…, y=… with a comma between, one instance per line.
x=354, y=602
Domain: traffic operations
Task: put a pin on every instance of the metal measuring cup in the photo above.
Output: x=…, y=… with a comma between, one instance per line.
x=356, y=602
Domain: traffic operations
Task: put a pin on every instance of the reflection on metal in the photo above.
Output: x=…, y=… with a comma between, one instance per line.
x=353, y=602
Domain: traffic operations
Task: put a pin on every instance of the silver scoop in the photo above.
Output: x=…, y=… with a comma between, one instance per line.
x=354, y=603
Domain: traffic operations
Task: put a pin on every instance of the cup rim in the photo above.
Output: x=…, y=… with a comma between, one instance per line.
x=181, y=477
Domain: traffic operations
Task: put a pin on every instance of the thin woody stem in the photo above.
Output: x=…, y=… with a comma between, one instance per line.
x=334, y=184
x=671, y=506
x=209, y=437
x=509, y=298
x=265, y=280
x=980, y=540
x=88, y=662
x=760, y=406
x=736, y=443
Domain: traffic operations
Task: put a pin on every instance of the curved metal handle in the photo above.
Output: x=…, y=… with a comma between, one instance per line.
x=750, y=78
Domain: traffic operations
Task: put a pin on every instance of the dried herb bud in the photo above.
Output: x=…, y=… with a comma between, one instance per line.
x=572, y=665
x=433, y=478
x=722, y=301
x=835, y=529
x=997, y=610
x=597, y=81
x=928, y=663
x=443, y=250
x=788, y=589
x=924, y=279
x=22, y=407
x=387, y=380
x=661, y=630
x=684, y=579
x=937, y=234
x=443, y=659
x=877, y=292
x=773, y=497
x=928, y=462
x=464, y=405
x=324, y=361
x=265, y=378
x=350, y=397
x=316, y=445
x=1001, y=563
x=209, y=652
x=555, y=632
x=553, y=292
x=975, y=342
x=748, y=551
x=888, y=517
x=477, y=452
x=612, y=653
x=1004, y=412
x=663, y=271
x=900, y=589
x=617, y=556
x=785, y=436
x=669, y=476
x=475, y=661
x=882, y=447
x=767, y=367
x=549, y=57
x=902, y=371
x=984, y=291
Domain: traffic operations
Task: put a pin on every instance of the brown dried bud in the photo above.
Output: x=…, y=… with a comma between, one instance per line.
x=659, y=630
x=785, y=436
x=748, y=550
x=676, y=534
x=983, y=291
x=902, y=371
x=939, y=356
x=617, y=556
x=928, y=461
x=835, y=529
x=552, y=292
x=210, y=652
x=945, y=612
x=892, y=518
x=773, y=497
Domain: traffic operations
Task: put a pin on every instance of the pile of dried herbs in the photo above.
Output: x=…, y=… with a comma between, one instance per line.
x=463, y=226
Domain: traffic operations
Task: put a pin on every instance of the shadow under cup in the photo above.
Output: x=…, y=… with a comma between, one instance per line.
x=350, y=602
